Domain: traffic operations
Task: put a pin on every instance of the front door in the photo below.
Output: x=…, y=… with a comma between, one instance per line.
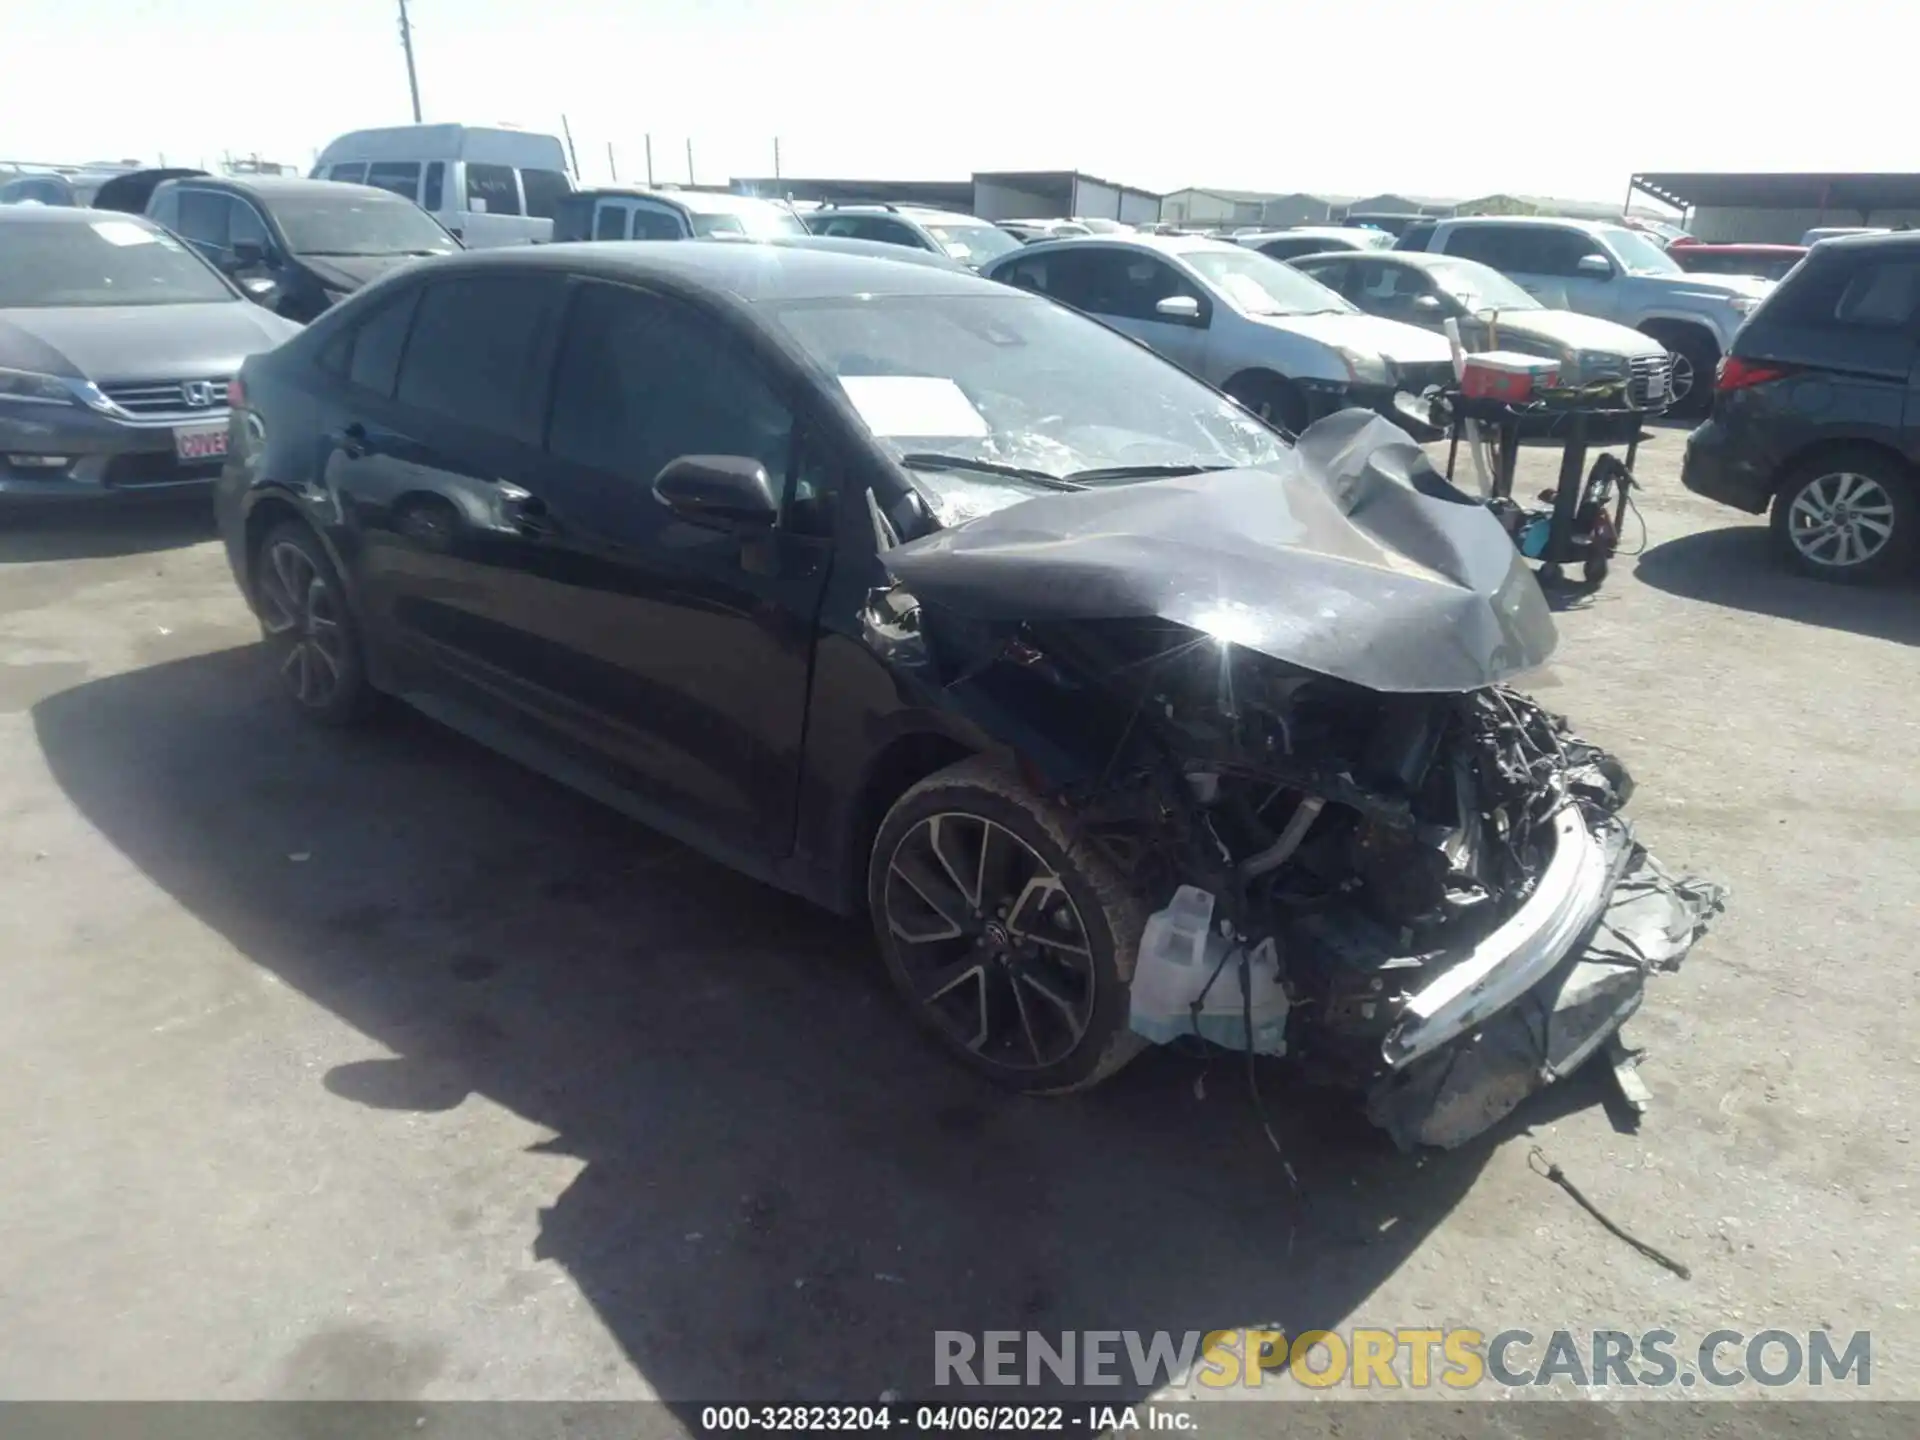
x=1124, y=288
x=682, y=653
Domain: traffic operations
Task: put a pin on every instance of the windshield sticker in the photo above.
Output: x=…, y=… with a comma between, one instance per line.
x=123, y=232
x=913, y=406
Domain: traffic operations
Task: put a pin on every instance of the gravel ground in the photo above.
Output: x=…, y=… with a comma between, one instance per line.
x=372, y=1066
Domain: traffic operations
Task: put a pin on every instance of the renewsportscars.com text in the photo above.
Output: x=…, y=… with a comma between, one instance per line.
x=1412, y=1359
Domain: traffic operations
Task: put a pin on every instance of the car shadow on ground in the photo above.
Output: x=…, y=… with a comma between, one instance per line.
x=96, y=533
x=1734, y=566
x=786, y=1191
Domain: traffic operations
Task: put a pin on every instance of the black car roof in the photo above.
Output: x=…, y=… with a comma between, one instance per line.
x=749, y=271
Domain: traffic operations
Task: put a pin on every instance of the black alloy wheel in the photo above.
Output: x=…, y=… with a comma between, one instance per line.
x=308, y=627
x=999, y=928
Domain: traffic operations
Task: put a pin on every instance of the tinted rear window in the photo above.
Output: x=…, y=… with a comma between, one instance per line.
x=1850, y=292
x=471, y=355
x=375, y=362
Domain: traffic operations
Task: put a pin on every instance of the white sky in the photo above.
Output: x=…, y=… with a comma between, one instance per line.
x=1249, y=94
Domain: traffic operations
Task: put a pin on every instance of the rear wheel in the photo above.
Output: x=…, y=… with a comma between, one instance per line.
x=309, y=629
x=1848, y=515
x=1278, y=402
x=1011, y=937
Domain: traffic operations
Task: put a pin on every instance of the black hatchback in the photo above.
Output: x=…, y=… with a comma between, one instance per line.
x=1816, y=412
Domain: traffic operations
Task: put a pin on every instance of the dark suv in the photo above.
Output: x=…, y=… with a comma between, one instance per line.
x=1816, y=411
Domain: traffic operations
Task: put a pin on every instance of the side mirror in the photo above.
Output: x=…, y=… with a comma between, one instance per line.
x=720, y=492
x=1181, y=308
x=1596, y=267
x=248, y=253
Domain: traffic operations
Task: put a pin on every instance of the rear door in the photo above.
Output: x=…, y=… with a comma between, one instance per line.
x=432, y=458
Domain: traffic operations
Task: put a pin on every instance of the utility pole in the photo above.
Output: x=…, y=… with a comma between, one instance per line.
x=649, y=162
x=612, y=168
x=776, y=157
x=573, y=160
x=690, y=179
x=406, y=43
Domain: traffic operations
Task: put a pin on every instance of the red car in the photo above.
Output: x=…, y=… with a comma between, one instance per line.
x=1769, y=262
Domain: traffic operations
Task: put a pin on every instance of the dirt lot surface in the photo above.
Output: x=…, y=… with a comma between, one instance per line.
x=370, y=1065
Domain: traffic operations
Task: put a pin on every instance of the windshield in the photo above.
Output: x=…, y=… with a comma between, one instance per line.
x=1260, y=285
x=1480, y=287
x=122, y=261
x=355, y=223
x=756, y=220
x=973, y=245
x=1637, y=253
x=1017, y=381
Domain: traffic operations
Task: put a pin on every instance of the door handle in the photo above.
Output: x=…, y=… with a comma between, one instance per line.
x=525, y=511
x=353, y=441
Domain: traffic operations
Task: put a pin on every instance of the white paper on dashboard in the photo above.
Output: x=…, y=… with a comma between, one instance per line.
x=123, y=232
x=901, y=407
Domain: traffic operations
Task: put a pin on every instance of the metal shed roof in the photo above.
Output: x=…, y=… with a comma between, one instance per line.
x=1783, y=191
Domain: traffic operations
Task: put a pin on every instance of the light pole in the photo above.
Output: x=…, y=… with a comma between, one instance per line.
x=406, y=43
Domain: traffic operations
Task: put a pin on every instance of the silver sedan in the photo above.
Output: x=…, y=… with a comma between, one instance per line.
x=1283, y=345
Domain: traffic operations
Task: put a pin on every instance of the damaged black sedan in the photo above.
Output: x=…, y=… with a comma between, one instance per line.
x=1126, y=718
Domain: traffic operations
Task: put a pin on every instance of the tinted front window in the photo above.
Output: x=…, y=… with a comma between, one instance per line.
x=1010, y=378
x=492, y=188
x=1261, y=285
x=118, y=261
x=355, y=174
x=641, y=381
x=471, y=354
x=358, y=222
x=402, y=178
x=375, y=362
x=1501, y=246
x=436, y=185
x=545, y=190
x=651, y=222
x=610, y=223
x=203, y=217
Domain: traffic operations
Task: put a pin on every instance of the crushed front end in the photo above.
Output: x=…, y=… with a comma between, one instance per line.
x=1300, y=733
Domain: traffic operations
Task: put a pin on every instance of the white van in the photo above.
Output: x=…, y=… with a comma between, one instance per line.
x=487, y=184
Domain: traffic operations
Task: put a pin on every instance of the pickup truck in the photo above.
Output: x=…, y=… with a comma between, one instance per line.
x=1617, y=274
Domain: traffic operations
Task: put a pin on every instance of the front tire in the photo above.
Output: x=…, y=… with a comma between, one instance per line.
x=1847, y=515
x=1695, y=359
x=309, y=628
x=1010, y=936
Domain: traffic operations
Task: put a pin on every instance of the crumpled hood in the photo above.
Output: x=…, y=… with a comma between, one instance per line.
x=1353, y=558
x=1403, y=344
x=349, y=272
x=108, y=343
